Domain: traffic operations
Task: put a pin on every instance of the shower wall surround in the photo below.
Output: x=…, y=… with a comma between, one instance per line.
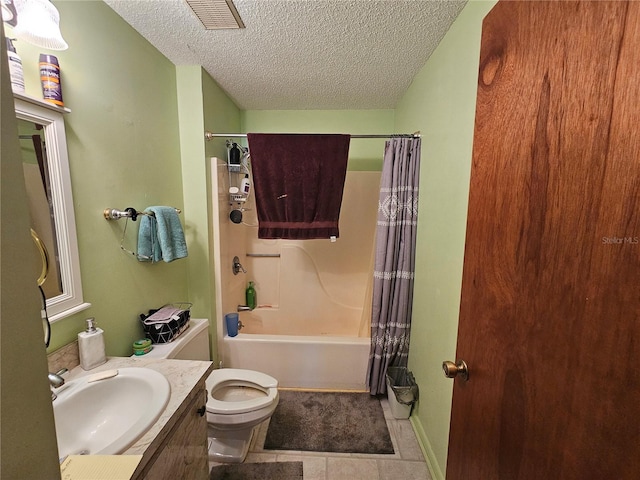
x=304, y=287
x=317, y=287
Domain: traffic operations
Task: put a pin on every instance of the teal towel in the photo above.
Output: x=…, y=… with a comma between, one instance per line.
x=161, y=237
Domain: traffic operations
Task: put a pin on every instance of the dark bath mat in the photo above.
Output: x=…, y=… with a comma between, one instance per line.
x=258, y=471
x=328, y=422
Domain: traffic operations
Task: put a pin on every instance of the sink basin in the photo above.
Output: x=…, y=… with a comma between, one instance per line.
x=106, y=416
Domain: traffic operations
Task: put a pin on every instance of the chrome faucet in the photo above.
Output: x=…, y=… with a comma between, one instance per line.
x=55, y=379
x=244, y=308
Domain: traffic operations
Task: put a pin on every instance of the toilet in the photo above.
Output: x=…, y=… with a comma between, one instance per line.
x=237, y=400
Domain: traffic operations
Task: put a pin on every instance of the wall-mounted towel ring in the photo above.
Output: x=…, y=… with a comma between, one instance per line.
x=125, y=249
x=132, y=213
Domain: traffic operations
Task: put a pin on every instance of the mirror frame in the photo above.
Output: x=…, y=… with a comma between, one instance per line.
x=51, y=118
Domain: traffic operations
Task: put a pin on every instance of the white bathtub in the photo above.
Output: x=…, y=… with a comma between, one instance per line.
x=323, y=362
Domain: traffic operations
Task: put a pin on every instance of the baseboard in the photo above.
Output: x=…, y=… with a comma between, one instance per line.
x=427, y=451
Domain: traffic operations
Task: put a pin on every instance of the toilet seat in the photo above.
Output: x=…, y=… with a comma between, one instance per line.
x=235, y=377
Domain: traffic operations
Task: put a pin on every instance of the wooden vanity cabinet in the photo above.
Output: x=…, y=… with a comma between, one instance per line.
x=183, y=453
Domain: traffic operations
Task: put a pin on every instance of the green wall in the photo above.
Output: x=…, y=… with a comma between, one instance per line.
x=364, y=154
x=203, y=106
x=135, y=137
x=125, y=149
x=441, y=104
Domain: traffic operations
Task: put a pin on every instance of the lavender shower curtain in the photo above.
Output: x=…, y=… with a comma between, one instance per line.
x=394, y=260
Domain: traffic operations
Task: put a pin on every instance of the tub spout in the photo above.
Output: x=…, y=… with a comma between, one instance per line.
x=244, y=308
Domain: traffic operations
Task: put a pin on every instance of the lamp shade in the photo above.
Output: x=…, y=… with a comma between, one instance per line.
x=39, y=24
x=9, y=14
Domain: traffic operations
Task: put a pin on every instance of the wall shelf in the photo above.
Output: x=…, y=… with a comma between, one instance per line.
x=40, y=103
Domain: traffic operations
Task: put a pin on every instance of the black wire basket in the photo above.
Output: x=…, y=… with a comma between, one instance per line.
x=166, y=323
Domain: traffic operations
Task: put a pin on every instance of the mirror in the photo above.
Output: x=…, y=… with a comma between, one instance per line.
x=46, y=168
x=33, y=150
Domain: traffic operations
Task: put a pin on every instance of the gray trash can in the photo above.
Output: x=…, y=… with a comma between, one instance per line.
x=402, y=391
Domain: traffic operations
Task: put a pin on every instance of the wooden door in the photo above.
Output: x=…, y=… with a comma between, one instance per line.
x=550, y=306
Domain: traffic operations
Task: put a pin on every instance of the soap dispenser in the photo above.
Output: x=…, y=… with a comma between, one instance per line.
x=250, y=296
x=91, y=346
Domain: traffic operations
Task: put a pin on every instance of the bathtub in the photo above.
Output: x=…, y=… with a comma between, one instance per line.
x=310, y=362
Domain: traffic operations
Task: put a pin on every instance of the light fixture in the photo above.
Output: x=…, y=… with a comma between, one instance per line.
x=9, y=14
x=39, y=24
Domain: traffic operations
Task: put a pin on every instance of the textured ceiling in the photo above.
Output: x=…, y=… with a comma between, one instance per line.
x=302, y=54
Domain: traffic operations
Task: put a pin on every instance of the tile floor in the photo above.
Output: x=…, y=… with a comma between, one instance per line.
x=407, y=463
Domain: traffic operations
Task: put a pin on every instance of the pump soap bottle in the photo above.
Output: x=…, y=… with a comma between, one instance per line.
x=250, y=296
x=91, y=346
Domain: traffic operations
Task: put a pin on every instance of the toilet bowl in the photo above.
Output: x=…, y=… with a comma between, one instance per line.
x=237, y=400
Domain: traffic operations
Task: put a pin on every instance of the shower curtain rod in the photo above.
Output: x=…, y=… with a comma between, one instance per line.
x=210, y=135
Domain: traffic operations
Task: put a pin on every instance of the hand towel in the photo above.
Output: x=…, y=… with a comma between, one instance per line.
x=298, y=180
x=160, y=237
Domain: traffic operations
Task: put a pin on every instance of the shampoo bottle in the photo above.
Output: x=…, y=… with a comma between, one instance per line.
x=245, y=185
x=251, y=296
x=91, y=346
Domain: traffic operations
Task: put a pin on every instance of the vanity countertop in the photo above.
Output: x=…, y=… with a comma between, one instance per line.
x=183, y=376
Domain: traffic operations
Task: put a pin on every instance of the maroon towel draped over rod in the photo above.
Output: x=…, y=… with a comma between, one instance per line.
x=298, y=180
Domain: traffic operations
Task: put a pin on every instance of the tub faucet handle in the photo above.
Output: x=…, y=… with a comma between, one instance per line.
x=237, y=266
x=240, y=325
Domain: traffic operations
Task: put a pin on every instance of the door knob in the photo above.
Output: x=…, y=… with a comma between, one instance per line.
x=452, y=370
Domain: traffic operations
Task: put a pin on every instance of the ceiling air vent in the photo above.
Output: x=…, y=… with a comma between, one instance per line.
x=216, y=14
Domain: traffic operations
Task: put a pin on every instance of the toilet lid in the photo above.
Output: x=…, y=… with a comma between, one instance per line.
x=234, y=377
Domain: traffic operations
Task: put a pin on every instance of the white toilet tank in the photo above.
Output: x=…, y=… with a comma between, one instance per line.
x=192, y=344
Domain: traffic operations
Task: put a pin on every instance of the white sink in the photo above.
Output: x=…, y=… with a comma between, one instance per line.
x=105, y=417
